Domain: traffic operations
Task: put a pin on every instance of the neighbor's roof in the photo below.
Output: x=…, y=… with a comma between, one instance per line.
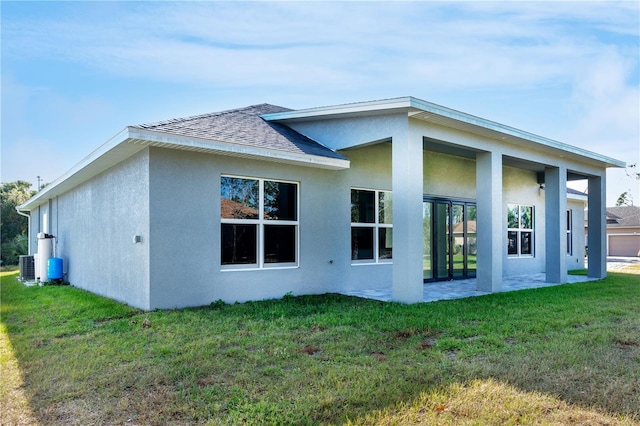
x=574, y=194
x=238, y=132
x=623, y=216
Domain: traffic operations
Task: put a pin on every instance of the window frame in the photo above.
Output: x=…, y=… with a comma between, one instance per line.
x=521, y=230
x=262, y=222
x=376, y=226
x=569, y=232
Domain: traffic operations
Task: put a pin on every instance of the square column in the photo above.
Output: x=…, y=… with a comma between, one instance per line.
x=597, y=238
x=407, y=180
x=555, y=220
x=491, y=224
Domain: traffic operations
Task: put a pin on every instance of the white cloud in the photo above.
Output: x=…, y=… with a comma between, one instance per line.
x=605, y=102
x=459, y=45
x=568, y=70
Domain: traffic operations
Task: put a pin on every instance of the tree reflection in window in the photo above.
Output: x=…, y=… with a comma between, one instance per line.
x=280, y=200
x=259, y=222
x=520, y=230
x=371, y=225
x=239, y=198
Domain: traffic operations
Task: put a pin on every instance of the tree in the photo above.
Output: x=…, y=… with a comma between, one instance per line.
x=625, y=198
x=13, y=227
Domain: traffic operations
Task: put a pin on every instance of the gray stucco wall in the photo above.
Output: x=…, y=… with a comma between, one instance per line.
x=521, y=187
x=171, y=199
x=94, y=225
x=185, y=231
x=370, y=169
x=185, y=223
x=449, y=176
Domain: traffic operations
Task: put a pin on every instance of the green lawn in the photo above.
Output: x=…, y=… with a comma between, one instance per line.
x=559, y=355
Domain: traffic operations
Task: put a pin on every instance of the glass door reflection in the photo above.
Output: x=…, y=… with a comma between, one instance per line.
x=427, y=240
x=449, y=239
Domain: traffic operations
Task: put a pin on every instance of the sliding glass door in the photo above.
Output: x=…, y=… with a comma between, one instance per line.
x=449, y=239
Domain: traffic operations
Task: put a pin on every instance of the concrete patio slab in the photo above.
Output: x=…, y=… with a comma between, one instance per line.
x=458, y=289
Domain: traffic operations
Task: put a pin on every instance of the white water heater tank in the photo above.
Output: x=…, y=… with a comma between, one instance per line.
x=45, y=250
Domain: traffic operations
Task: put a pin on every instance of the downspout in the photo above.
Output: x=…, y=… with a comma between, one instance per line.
x=28, y=216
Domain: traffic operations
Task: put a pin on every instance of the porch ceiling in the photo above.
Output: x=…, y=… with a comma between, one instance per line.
x=442, y=147
x=447, y=148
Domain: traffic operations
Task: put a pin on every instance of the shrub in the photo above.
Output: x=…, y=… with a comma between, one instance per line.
x=12, y=250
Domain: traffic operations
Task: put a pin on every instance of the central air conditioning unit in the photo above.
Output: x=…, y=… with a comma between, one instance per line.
x=27, y=268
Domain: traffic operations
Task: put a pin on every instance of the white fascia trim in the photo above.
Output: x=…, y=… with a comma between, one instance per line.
x=511, y=131
x=353, y=108
x=577, y=197
x=154, y=138
x=131, y=140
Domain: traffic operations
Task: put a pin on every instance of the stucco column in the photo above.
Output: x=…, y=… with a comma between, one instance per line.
x=407, y=178
x=555, y=219
x=597, y=238
x=491, y=228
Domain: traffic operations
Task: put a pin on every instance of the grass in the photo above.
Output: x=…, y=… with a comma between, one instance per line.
x=558, y=355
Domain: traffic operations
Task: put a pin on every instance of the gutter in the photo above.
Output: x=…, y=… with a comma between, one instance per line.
x=28, y=216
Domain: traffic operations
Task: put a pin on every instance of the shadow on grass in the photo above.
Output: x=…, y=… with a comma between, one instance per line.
x=328, y=359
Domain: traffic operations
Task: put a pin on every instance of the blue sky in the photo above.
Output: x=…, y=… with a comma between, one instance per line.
x=75, y=73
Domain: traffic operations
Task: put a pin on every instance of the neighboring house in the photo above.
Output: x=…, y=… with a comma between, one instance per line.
x=256, y=202
x=623, y=231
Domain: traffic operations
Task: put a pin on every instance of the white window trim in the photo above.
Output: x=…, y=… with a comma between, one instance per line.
x=519, y=230
x=261, y=222
x=376, y=225
x=569, y=232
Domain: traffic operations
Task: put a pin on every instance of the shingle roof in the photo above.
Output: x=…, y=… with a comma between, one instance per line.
x=623, y=216
x=244, y=126
x=575, y=192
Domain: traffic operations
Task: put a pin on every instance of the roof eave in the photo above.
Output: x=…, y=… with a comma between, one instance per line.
x=412, y=106
x=512, y=131
x=132, y=140
x=577, y=197
x=169, y=140
x=359, y=108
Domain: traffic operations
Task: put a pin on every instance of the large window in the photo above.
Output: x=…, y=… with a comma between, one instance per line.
x=259, y=222
x=520, y=225
x=371, y=226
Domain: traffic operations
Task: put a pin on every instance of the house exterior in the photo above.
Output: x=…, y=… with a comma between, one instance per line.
x=257, y=202
x=623, y=231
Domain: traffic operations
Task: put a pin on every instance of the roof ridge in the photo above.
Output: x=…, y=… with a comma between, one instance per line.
x=206, y=115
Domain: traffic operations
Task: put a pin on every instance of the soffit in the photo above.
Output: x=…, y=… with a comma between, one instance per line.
x=447, y=117
x=514, y=136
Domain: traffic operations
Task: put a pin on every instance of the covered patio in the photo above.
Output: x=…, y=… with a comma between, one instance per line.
x=459, y=289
